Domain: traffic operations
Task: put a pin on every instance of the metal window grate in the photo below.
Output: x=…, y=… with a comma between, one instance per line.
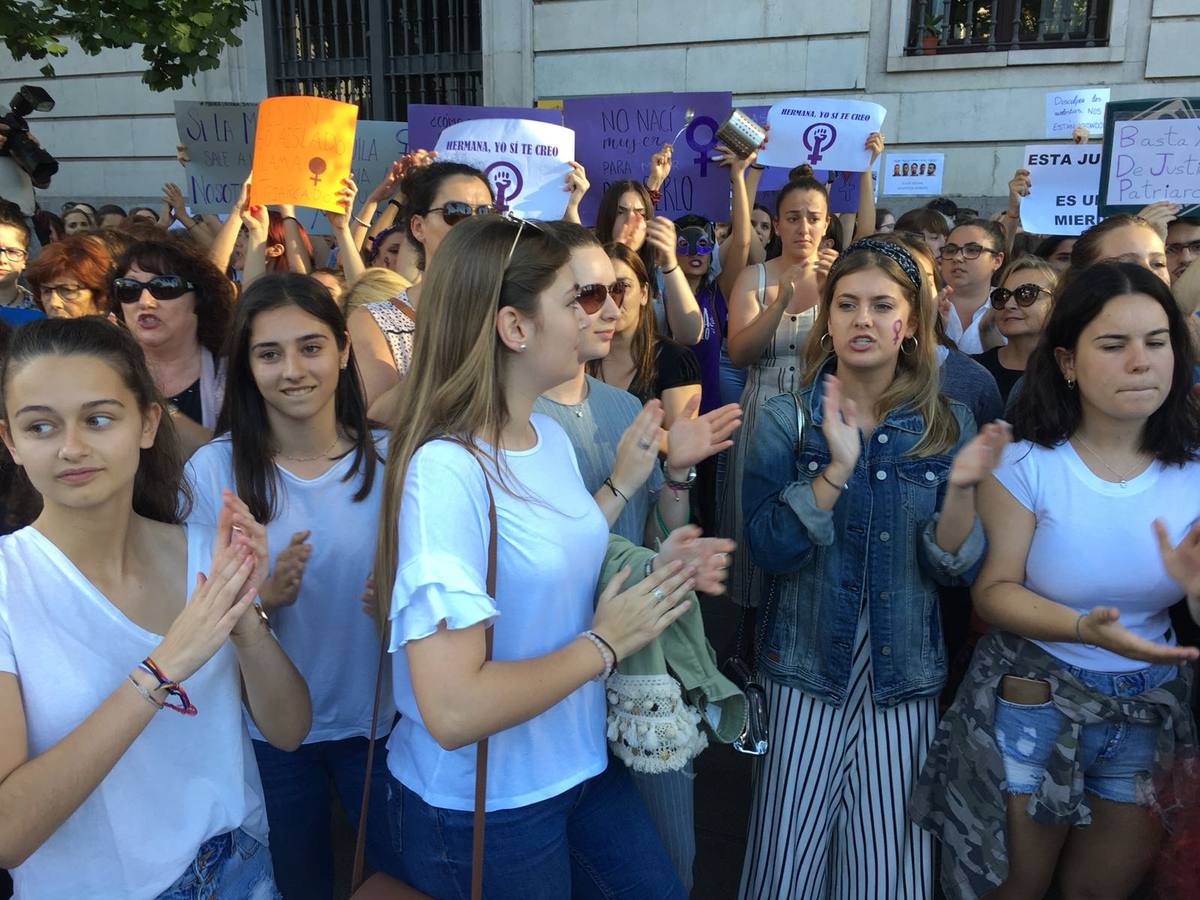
x=972, y=26
x=379, y=54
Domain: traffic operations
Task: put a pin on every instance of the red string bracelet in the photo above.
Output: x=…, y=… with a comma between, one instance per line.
x=184, y=706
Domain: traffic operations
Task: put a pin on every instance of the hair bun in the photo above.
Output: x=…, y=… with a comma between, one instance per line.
x=804, y=170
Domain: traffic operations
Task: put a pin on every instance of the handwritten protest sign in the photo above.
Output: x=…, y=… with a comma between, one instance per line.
x=1066, y=109
x=302, y=150
x=525, y=161
x=427, y=121
x=914, y=174
x=617, y=134
x=220, y=141
x=1152, y=159
x=1064, y=181
x=828, y=133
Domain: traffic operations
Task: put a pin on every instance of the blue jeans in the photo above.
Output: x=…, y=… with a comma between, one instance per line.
x=232, y=864
x=1113, y=757
x=593, y=841
x=296, y=787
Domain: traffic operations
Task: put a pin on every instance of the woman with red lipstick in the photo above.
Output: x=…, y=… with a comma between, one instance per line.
x=860, y=500
x=178, y=306
x=1021, y=305
x=125, y=671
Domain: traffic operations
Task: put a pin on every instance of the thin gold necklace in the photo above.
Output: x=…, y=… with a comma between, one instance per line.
x=324, y=453
x=1123, y=479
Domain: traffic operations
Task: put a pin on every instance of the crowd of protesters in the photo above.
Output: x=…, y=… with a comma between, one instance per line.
x=293, y=521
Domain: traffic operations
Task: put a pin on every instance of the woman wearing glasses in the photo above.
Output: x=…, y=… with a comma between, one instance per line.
x=178, y=306
x=971, y=256
x=436, y=198
x=70, y=278
x=1021, y=304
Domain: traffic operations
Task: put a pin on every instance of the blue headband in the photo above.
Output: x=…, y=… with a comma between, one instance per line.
x=891, y=250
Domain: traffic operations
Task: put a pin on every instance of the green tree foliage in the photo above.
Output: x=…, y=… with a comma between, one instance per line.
x=179, y=37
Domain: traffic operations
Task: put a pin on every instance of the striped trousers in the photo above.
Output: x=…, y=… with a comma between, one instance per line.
x=828, y=820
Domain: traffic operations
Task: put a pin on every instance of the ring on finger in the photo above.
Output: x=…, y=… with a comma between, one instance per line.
x=643, y=444
x=658, y=594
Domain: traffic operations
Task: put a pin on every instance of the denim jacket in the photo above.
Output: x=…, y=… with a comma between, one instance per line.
x=878, y=539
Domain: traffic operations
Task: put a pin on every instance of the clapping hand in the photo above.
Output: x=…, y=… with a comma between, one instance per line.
x=979, y=457
x=660, y=234
x=839, y=425
x=693, y=439
x=709, y=558
x=637, y=450
x=282, y=588
x=1102, y=627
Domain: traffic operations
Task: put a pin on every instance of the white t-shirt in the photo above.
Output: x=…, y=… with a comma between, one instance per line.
x=967, y=338
x=1093, y=544
x=550, y=547
x=325, y=633
x=183, y=780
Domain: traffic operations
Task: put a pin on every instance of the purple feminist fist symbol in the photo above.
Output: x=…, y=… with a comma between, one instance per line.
x=506, y=183
x=818, y=138
x=702, y=149
x=316, y=165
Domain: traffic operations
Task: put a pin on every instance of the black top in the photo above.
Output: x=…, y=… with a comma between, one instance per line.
x=187, y=401
x=1005, y=378
x=675, y=366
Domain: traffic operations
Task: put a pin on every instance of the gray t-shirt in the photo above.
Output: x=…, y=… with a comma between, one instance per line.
x=595, y=427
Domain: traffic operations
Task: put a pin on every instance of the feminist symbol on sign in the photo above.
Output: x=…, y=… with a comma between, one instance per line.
x=818, y=138
x=506, y=182
x=316, y=165
x=702, y=149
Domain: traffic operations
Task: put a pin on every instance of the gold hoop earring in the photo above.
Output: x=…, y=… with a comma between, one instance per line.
x=915, y=344
x=828, y=349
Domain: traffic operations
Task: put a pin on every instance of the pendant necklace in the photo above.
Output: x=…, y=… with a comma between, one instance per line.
x=1122, y=479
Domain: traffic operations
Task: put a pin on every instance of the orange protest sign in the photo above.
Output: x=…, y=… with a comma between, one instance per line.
x=302, y=149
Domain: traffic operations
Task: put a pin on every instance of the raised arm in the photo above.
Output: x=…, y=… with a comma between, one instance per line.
x=864, y=221
x=735, y=251
x=222, y=245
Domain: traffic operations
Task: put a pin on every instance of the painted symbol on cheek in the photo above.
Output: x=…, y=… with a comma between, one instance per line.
x=897, y=327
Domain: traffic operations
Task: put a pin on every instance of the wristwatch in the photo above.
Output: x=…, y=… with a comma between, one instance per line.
x=685, y=485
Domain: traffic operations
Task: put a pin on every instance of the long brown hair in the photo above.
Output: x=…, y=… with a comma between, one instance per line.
x=917, y=382
x=454, y=388
x=643, y=348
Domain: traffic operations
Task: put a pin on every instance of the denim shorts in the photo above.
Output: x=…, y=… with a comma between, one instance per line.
x=232, y=864
x=1115, y=758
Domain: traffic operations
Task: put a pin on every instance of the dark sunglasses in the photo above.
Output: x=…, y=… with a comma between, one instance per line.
x=161, y=287
x=455, y=211
x=592, y=296
x=1024, y=294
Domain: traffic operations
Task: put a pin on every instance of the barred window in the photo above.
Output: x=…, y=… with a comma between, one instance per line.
x=379, y=54
x=970, y=26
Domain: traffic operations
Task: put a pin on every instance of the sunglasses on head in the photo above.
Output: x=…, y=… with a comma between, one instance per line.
x=161, y=287
x=592, y=296
x=1024, y=294
x=454, y=211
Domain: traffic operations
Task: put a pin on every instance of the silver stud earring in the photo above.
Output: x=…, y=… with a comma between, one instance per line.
x=522, y=347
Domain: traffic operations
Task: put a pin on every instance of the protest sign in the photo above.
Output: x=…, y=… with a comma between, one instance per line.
x=525, y=161
x=1066, y=109
x=617, y=134
x=914, y=174
x=302, y=150
x=219, y=138
x=1064, y=182
x=376, y=146
x=1152, y=159
x=826, y=133
x=427, y=121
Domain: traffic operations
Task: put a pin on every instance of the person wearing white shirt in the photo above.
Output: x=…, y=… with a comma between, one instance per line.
x=105, y=791
x=501, y=324
x=1092, y=535
x=971, y=256
x=295, y=443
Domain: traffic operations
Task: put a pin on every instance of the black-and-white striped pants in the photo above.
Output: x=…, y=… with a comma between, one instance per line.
x=828, y=818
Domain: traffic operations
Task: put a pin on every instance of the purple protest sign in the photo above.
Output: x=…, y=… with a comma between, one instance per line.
x=427, y=121
x=616, y=135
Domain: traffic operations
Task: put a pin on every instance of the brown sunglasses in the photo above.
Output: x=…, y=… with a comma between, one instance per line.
x=592, y=296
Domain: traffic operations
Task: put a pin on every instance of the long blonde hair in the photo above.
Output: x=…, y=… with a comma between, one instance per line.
x=917, y=382
x=455, y=386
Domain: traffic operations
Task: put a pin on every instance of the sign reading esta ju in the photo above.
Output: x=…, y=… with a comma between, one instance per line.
x=1064, y=183
x=823, y=132
x=525, y=161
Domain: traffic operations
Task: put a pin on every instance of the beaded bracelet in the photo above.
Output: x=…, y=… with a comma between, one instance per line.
x=606, y=654
x=184, y=706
